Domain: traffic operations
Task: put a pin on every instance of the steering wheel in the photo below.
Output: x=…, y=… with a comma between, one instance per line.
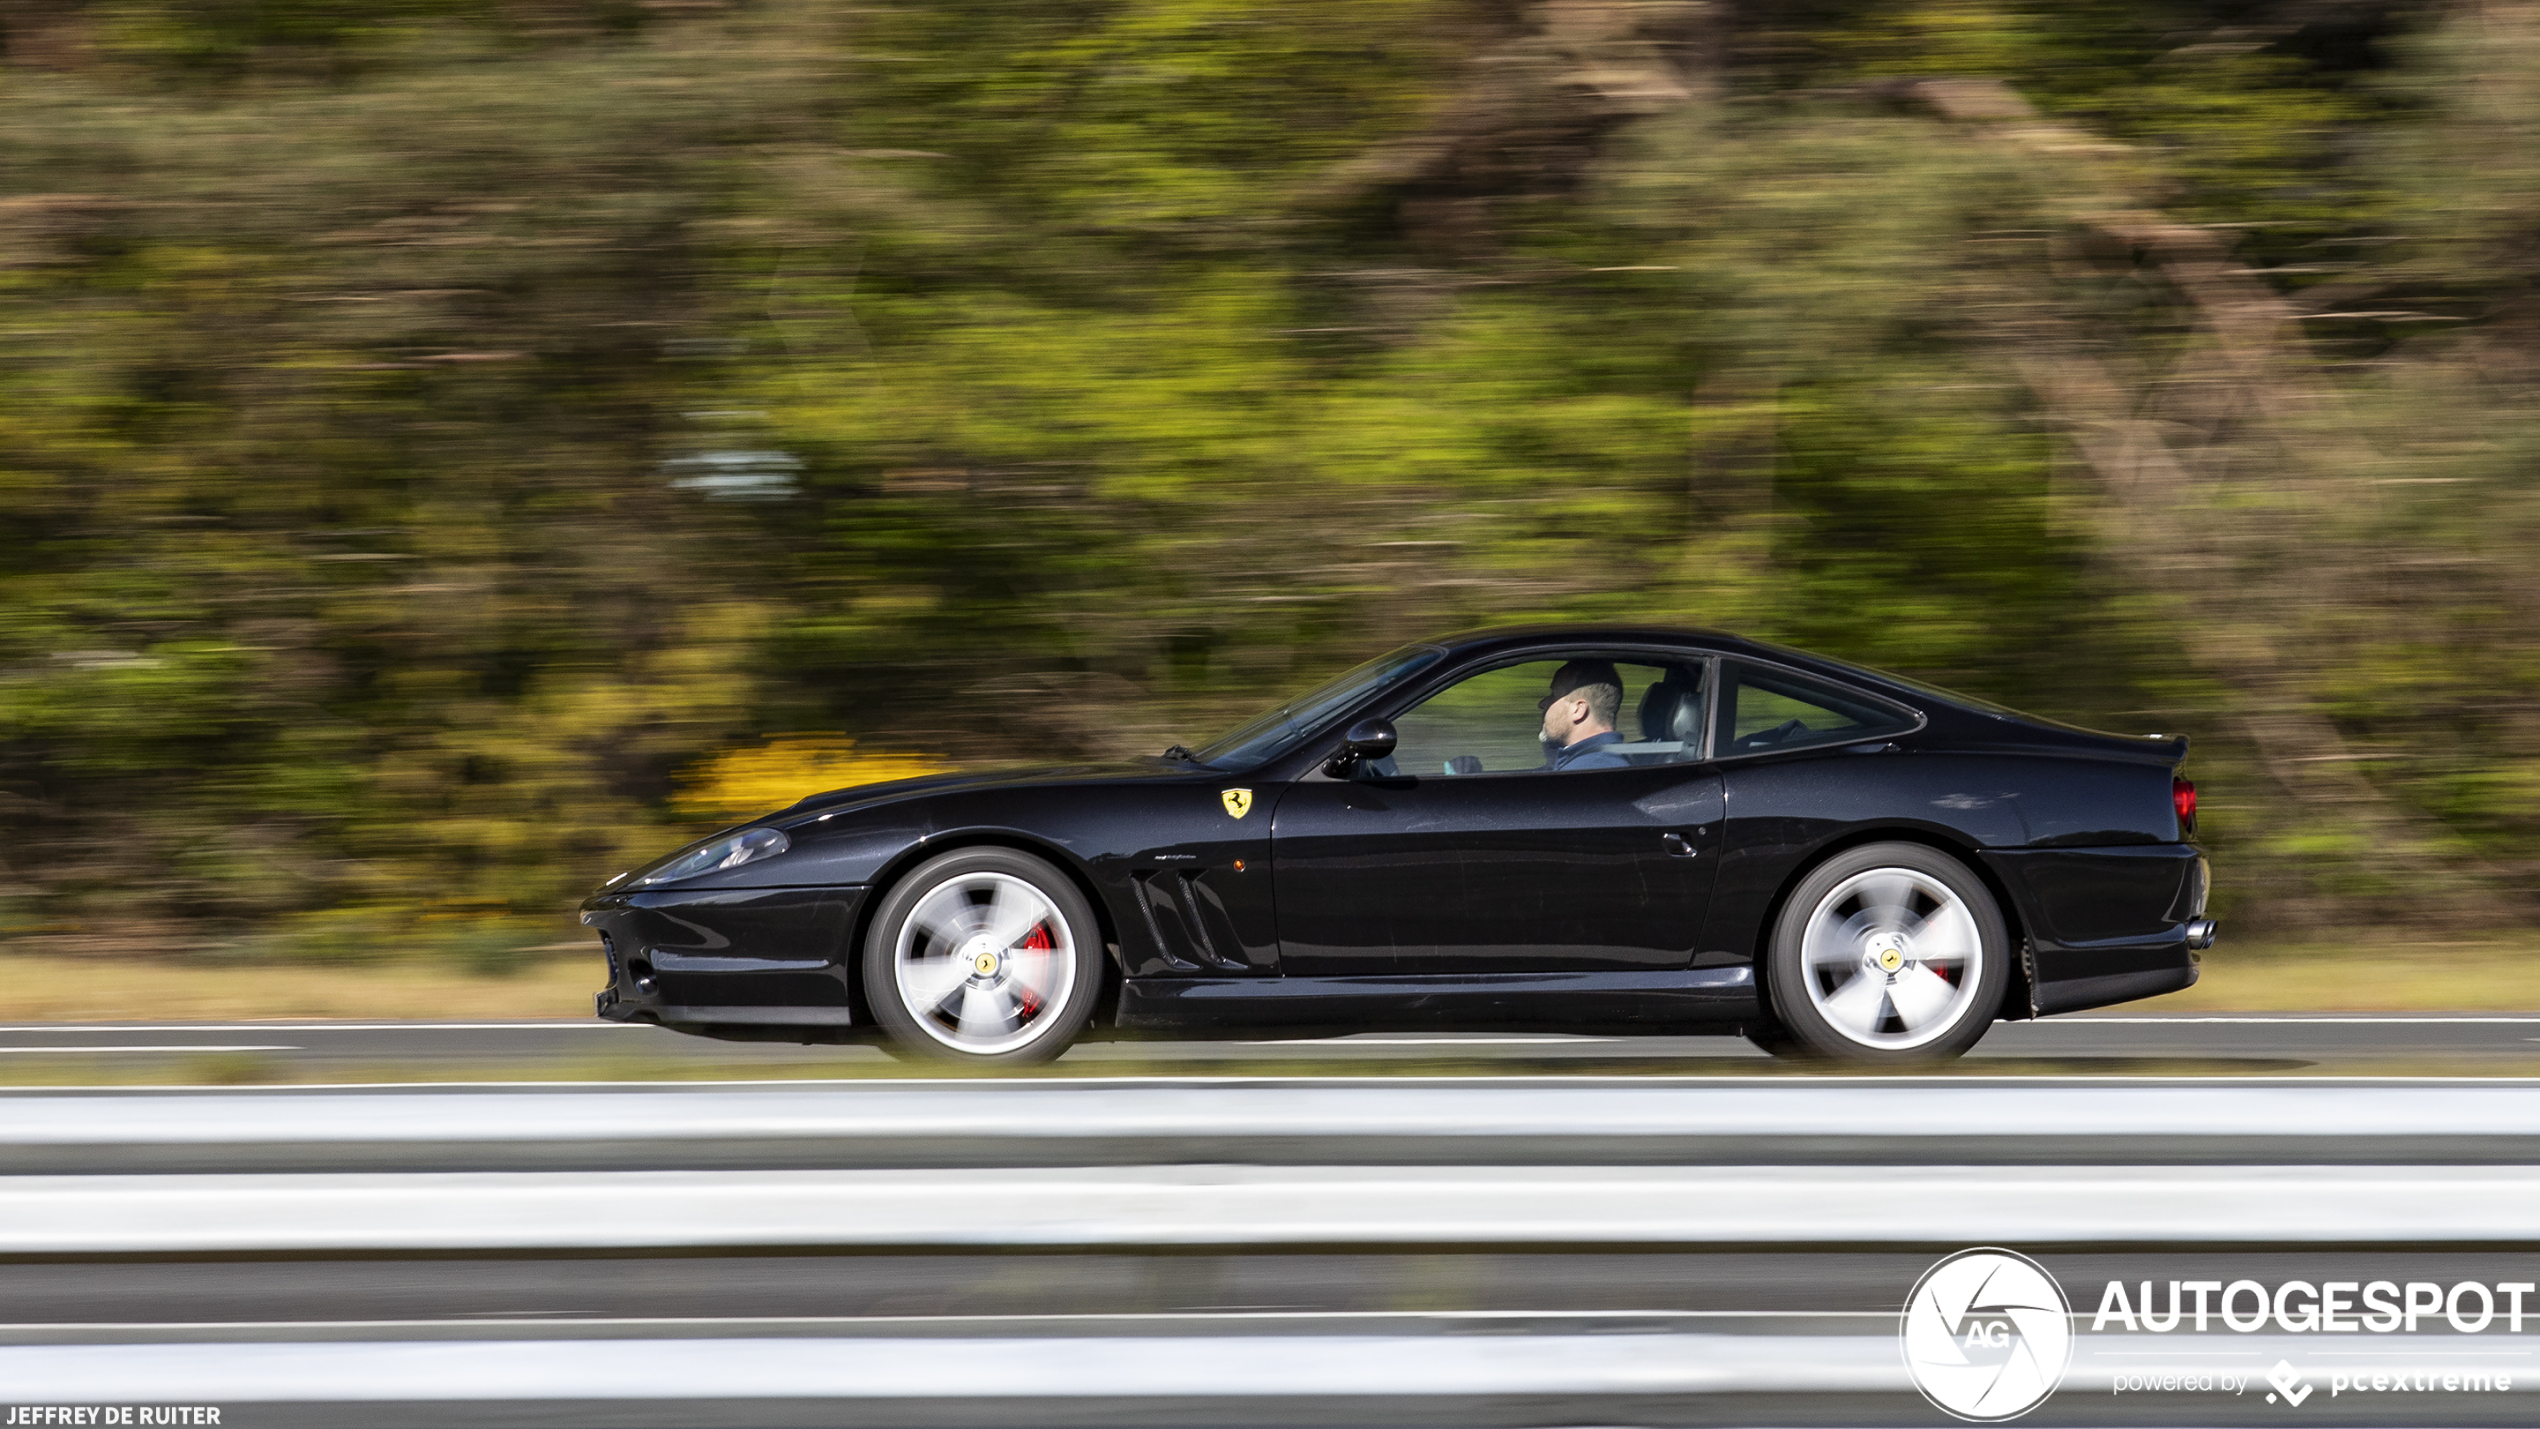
x=1763, y=737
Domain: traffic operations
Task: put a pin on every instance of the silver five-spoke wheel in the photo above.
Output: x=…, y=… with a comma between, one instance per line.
x=983, y=954
x=981, y=961
x=1891, y=951
x=1891, y=957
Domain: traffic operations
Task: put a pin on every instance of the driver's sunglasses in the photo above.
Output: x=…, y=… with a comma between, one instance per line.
x=1544, y=705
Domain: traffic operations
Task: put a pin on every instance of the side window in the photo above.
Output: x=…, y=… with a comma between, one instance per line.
x=1502, y=720
x=1764, y=709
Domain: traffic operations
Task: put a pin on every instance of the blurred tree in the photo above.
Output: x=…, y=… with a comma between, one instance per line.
x=435, y=435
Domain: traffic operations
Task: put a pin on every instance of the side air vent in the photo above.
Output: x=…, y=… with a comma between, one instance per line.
x=1188, y=921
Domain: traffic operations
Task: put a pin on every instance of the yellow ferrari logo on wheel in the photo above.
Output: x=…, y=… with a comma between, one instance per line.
x=1238, y=801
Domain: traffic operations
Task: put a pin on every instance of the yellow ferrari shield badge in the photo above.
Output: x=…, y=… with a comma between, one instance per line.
x=1238, y=802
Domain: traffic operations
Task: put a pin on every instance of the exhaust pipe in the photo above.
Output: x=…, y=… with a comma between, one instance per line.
x=2200, y=933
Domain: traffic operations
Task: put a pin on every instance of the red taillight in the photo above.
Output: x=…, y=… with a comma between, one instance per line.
x=2183, y=799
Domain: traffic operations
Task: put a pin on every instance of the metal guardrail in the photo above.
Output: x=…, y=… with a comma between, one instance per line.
x=1809, y=1170
x=1390, y=1121
x=1601, y=1161
x=1037, y=1368
x=1043, y=1370
x=1265, y=1206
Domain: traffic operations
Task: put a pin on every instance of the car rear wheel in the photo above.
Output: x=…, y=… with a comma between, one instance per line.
x=1889, y=953
x=1774, y=1038
x=983, y=955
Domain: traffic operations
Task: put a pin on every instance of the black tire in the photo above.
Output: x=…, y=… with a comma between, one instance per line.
x=1774, y=1038
x=1934, y=980
x=956, y=945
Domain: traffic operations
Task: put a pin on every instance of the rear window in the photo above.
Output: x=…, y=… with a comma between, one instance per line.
x=1762, y=710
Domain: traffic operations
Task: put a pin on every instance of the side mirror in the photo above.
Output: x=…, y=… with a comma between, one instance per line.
x=1367, y=739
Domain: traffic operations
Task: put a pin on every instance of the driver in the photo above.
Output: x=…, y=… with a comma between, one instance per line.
x=1578, y=717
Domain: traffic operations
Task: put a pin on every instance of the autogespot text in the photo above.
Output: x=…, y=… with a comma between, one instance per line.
x=2373, y=1307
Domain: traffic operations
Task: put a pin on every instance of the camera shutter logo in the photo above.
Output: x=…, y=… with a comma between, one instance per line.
x=1987, y=1335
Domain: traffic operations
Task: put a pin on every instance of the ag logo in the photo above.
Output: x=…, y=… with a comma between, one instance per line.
x=1238, y=801
x=1987, y=1335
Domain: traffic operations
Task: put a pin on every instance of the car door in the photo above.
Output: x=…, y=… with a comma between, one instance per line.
x=1801, y=758
x=1465, y=853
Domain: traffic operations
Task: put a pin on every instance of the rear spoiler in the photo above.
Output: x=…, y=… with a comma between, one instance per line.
x=2166, y=750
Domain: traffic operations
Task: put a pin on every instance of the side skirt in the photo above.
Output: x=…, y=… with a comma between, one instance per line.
x=1713, y=1000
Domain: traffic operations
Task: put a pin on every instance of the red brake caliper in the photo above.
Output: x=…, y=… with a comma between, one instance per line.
x=1038, y=939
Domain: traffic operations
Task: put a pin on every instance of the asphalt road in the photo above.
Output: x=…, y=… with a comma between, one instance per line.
x=2330, y=1044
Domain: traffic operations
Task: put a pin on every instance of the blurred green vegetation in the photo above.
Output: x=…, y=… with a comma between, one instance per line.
x=433, y=431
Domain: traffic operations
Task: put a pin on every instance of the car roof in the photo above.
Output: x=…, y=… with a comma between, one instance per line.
x=1591, y=631
x=1496, y=637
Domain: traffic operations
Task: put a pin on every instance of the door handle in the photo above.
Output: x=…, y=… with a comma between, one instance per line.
x=1676, y=845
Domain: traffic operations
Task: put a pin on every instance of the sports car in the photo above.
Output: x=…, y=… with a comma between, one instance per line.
x=1613, y=830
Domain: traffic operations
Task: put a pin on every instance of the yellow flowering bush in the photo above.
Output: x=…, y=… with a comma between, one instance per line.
x=741, y=782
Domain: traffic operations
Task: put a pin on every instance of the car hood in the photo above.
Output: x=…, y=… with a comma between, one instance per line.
x=898, y=791
x=845, y=844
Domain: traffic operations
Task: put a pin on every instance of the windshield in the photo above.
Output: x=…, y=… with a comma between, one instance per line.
x=1269, y=735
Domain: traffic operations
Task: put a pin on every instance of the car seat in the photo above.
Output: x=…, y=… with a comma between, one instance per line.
x=1670, y=720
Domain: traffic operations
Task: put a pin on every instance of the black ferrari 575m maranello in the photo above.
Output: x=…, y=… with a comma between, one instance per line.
x=1579, y=829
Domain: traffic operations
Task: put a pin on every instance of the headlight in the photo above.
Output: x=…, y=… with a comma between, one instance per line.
x=747, y=846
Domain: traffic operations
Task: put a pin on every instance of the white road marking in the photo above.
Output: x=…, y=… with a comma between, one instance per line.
x=1498, y=1083
x=599, y=1025
x=291, y=1024
x=1357, y=1040
x=1119, y=1317
x=2297, y=1019
x=160, y=1047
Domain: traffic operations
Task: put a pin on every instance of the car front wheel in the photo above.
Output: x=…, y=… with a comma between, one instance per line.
x=983, y=955
x=1889, y=953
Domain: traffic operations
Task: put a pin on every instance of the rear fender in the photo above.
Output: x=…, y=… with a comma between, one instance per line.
x=2018, y=994
x=2105, y=924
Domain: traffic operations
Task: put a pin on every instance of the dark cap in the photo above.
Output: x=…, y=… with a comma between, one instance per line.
x=1579, y=674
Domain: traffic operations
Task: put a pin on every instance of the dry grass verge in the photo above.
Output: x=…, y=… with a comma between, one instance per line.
x=38, y=989
x=2497, y=974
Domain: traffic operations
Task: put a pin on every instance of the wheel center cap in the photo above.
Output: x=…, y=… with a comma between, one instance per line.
x=1885, y=954
x=982, y=953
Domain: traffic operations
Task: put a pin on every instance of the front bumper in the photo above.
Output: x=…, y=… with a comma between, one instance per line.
x=764, y=958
